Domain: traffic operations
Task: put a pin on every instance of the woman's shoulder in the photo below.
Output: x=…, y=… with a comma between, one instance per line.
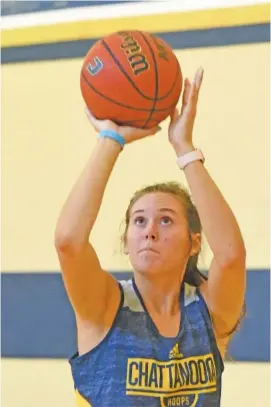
x=131, y=299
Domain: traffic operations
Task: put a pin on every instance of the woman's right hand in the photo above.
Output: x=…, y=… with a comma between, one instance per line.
x=129, y=134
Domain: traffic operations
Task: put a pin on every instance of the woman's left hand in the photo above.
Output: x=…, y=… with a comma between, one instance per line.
x=181, y=125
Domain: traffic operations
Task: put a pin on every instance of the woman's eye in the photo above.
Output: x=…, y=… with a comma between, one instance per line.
x=166, y=220
x=139, y=220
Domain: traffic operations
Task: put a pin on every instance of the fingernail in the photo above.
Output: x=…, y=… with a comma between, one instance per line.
x=199, y=76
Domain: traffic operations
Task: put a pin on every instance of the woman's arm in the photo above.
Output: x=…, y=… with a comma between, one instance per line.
x=88, y=286
x=225, y=289
x=94, y=294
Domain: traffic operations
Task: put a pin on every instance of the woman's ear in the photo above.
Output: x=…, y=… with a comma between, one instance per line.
x=196, y=244
x=125, y=248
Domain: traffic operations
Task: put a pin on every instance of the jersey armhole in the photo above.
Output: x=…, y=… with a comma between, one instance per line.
x=76, y=356
x=207, y=315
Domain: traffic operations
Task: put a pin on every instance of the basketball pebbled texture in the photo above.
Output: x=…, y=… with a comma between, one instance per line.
x=132, y=78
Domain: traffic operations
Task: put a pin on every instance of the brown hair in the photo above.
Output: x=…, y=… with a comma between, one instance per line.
x=192, y=275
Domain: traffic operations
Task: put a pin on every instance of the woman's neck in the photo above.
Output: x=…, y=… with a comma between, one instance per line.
x=160, y=294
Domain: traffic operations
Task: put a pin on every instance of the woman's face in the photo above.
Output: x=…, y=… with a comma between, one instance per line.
x=157, y=238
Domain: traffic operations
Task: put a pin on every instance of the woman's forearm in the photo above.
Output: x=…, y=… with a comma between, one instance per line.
x=81, y=208
x=218, y=221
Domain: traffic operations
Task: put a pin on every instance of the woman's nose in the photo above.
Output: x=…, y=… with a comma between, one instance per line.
x=151, y=232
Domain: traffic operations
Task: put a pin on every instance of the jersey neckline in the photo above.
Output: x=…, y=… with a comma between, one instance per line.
x=182, y=313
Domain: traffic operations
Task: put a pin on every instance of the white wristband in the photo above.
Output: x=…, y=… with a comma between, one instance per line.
x=188, y=158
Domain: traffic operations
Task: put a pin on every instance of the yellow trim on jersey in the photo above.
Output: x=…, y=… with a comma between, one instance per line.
x=190, y=20
x=181, y=392
x=80, y=400
x=176, y=397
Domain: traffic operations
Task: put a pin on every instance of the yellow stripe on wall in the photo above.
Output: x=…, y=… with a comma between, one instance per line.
x=192, y=20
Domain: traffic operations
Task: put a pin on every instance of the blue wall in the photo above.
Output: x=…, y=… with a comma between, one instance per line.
x=38, y=321
x=212, y=37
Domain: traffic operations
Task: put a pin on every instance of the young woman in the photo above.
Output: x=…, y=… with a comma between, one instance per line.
x=160, y=338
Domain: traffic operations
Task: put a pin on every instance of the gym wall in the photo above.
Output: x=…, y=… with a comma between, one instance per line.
x=46, y=141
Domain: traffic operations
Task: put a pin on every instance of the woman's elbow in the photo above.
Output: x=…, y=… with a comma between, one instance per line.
x=67, y=242
x=236, y=256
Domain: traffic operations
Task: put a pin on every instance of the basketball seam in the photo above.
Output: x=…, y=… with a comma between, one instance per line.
x=156, y=79
x=107, y=48
x=117, y=62
x=122, y=104
x=178, y=71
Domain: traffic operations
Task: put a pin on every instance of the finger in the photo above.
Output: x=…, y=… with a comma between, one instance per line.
x=195, y=88
x=197, y=82
x=186, y=93
x=199, y=77
x=91, y=118
x=141, y=133
x=187, y=88
x=174, y=115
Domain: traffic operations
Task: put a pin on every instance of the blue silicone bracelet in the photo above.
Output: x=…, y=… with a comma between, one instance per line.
x=113, y=135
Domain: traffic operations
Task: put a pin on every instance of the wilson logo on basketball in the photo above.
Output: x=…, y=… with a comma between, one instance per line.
x=162, y=52
x=136, y=58
x=132, y=78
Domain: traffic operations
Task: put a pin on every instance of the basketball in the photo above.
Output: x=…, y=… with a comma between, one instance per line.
x=132, y=78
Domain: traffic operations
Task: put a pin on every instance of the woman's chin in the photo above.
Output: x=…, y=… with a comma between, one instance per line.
x=148, y=267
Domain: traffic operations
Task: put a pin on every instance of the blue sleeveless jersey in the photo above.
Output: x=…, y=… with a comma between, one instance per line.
x=134, y=366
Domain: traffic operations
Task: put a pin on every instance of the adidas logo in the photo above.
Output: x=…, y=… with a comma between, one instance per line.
x=175, y=353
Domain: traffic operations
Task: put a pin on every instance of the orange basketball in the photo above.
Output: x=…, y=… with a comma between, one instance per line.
x=132, y=78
